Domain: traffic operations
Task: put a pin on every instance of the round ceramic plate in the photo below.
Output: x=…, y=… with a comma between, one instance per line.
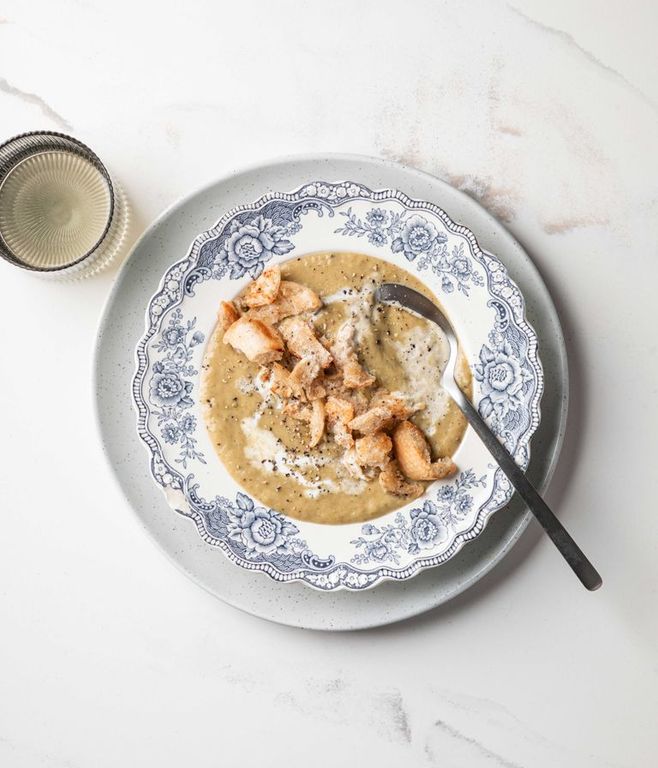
x=486, y=308
x=122, y=327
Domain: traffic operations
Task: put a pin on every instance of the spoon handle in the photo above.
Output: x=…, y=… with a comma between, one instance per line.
x=571, y=552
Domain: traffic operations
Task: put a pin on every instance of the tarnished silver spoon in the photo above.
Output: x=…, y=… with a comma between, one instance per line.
x=393, y=293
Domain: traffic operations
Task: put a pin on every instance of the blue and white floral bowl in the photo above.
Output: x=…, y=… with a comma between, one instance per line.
x=486, y=308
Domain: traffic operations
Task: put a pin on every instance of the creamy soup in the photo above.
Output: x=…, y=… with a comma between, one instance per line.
x=267, y=451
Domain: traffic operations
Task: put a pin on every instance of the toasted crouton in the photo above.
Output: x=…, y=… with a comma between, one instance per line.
x=264, y=289
x=385, y=409
x=339, y=410
x=303, y=377
x=297, y=410
x=399, y=405
x=413, y=454
x=313, y=415
x=315, y=391
x=280, y=383
x=268, y=313
x=317, y=423
x=292, y=299
x=302, y=342
x=374, y=450
x=393, y=481
x=256, y=340
x=339, y=413
x=373, y=420
x=227, y=315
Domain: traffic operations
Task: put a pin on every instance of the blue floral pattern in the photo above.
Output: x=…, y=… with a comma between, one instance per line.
x=243, y=242
x=419, y=240
x=504, y=381
x=248, y=242
x=256, y=533
x=170, y=388
x=261, y=531
x=425, y=528
x=251, y=245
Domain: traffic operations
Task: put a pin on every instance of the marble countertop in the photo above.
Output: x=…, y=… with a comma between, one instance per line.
x=546, y=112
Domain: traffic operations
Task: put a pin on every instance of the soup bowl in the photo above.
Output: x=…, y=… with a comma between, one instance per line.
x=485, y=306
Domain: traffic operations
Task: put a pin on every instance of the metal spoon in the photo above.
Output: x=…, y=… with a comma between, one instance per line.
x=393, y=293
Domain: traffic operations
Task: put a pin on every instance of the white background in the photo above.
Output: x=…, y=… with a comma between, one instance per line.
x=545, y=111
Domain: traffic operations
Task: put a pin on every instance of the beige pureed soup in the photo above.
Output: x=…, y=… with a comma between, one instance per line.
x=263, y=442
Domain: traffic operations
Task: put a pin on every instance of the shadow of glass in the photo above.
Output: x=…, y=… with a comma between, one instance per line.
x=136, y=226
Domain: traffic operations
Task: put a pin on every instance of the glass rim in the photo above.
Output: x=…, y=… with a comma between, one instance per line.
x=25, y=153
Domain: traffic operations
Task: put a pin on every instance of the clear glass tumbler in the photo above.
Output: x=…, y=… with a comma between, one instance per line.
x=61, y=214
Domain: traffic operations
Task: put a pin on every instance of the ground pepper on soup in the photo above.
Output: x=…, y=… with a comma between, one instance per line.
x=323, y=404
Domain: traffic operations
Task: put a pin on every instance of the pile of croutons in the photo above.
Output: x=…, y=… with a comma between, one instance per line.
x=322, y=382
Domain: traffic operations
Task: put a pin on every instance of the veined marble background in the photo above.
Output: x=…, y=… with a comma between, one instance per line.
x=546, y=112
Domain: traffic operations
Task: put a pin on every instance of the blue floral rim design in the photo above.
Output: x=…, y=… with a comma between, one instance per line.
x=508, y=373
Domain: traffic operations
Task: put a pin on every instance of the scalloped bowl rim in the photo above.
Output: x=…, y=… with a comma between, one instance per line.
x=384, y=573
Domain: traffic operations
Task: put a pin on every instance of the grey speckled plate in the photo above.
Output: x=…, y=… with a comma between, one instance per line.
x=122, y=324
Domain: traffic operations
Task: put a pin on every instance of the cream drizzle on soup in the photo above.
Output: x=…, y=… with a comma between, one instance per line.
x=266, y=450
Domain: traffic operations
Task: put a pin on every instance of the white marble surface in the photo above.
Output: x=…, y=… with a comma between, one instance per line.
x=547, y=112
